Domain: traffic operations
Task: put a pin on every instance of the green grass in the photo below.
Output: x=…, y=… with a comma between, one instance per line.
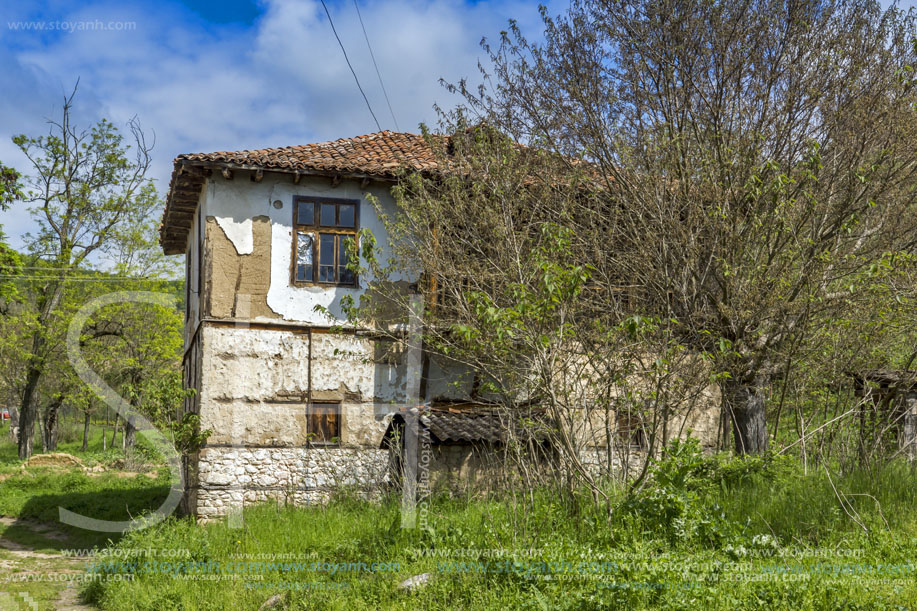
x=709, y=534
x=9, y=453
x=37, y=493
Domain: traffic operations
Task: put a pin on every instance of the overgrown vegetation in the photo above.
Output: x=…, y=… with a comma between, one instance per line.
x=708, y=533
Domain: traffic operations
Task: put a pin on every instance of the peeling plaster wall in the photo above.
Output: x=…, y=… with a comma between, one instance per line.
x=236, y=205
x=236, y=285
x=254, y=381
x=254, y=389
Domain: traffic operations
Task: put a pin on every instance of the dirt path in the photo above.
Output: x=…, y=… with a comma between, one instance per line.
x=33, y=579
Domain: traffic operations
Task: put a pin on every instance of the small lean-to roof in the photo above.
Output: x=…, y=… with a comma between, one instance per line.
x=470, y=423
x=380, y=156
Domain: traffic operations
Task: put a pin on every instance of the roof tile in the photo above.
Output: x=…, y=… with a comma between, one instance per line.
x=378, y=155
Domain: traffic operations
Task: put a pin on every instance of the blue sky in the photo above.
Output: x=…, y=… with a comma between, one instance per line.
x=234, y=74
x=207, y=75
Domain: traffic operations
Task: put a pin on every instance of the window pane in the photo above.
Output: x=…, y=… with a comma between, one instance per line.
x=304, y=273
x=327, y=249
x=306, y=213
x=326, y=258
x=305, y=249
x=327, y=219
x=324, y=422
x=347, y=214
x=347, y=276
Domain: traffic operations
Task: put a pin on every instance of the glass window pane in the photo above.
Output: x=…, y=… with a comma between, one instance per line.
x=347, y=276
x=347, y=214
x=327, y=219
x=327, y=249
x=305, y=254
x=326, y=258
x=305, y=215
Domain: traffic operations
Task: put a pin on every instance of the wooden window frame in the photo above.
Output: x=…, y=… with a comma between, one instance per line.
x=310, y=407
x=317, y=229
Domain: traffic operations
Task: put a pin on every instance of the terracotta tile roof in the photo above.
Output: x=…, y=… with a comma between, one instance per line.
x=380, y=156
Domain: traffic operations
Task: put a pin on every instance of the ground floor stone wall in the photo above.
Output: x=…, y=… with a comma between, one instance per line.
x=231, y=477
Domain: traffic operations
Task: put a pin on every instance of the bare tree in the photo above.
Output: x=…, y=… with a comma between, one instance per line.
x=499, y=244
x=756, y=161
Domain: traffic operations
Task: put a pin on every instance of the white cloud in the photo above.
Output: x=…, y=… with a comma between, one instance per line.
x=203, y=87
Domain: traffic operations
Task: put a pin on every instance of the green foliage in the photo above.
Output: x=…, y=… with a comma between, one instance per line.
x=493, y=554
x=189, y=438
x=10, y=186
x=677, y=502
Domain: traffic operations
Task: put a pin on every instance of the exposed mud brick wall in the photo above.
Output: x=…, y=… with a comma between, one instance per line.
x=235, y=285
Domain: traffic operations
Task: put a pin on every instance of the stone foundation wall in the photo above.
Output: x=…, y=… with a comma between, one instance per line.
x=230, y=477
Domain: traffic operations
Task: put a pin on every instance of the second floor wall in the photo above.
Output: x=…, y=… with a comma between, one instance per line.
x=255, y=254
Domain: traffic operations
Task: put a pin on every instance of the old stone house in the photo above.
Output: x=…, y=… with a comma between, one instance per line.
x=295, y=408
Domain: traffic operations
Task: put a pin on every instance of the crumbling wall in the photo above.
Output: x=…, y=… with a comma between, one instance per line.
x=236, y=285
x=254, y=395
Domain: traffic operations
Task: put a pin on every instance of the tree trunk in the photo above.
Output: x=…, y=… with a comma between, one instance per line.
x=86, y=432
x=50, y=427
x=41, y=432
x=28, y=413
x=130, y=432
x=114, y=433
x=745, y=410
x=29, y=410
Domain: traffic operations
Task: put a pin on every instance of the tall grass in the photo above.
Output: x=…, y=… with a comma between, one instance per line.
x=708, y=533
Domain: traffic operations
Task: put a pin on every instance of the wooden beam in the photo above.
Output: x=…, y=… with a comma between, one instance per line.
x=365, y=182
x=258, y=175
x=186, y=169
x=296, y=178
x=227, y=173
x=336, y=180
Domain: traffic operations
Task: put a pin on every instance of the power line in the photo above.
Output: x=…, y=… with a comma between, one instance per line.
x=373, y=56
x=379, y=127
x=79, y=278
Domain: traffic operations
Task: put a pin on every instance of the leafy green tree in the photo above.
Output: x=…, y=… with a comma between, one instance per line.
x=87, y=189
x=10, y=261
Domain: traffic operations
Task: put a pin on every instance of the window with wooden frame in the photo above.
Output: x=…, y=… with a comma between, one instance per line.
x=323, y=419
x=324, y=231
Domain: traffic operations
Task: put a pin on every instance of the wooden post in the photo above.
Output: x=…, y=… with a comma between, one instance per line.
x=907, y=441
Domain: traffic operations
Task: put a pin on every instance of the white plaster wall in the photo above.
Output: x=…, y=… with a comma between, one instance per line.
x=253, y=364
x=242, y=363
x=233, y=203
x=252, y=379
